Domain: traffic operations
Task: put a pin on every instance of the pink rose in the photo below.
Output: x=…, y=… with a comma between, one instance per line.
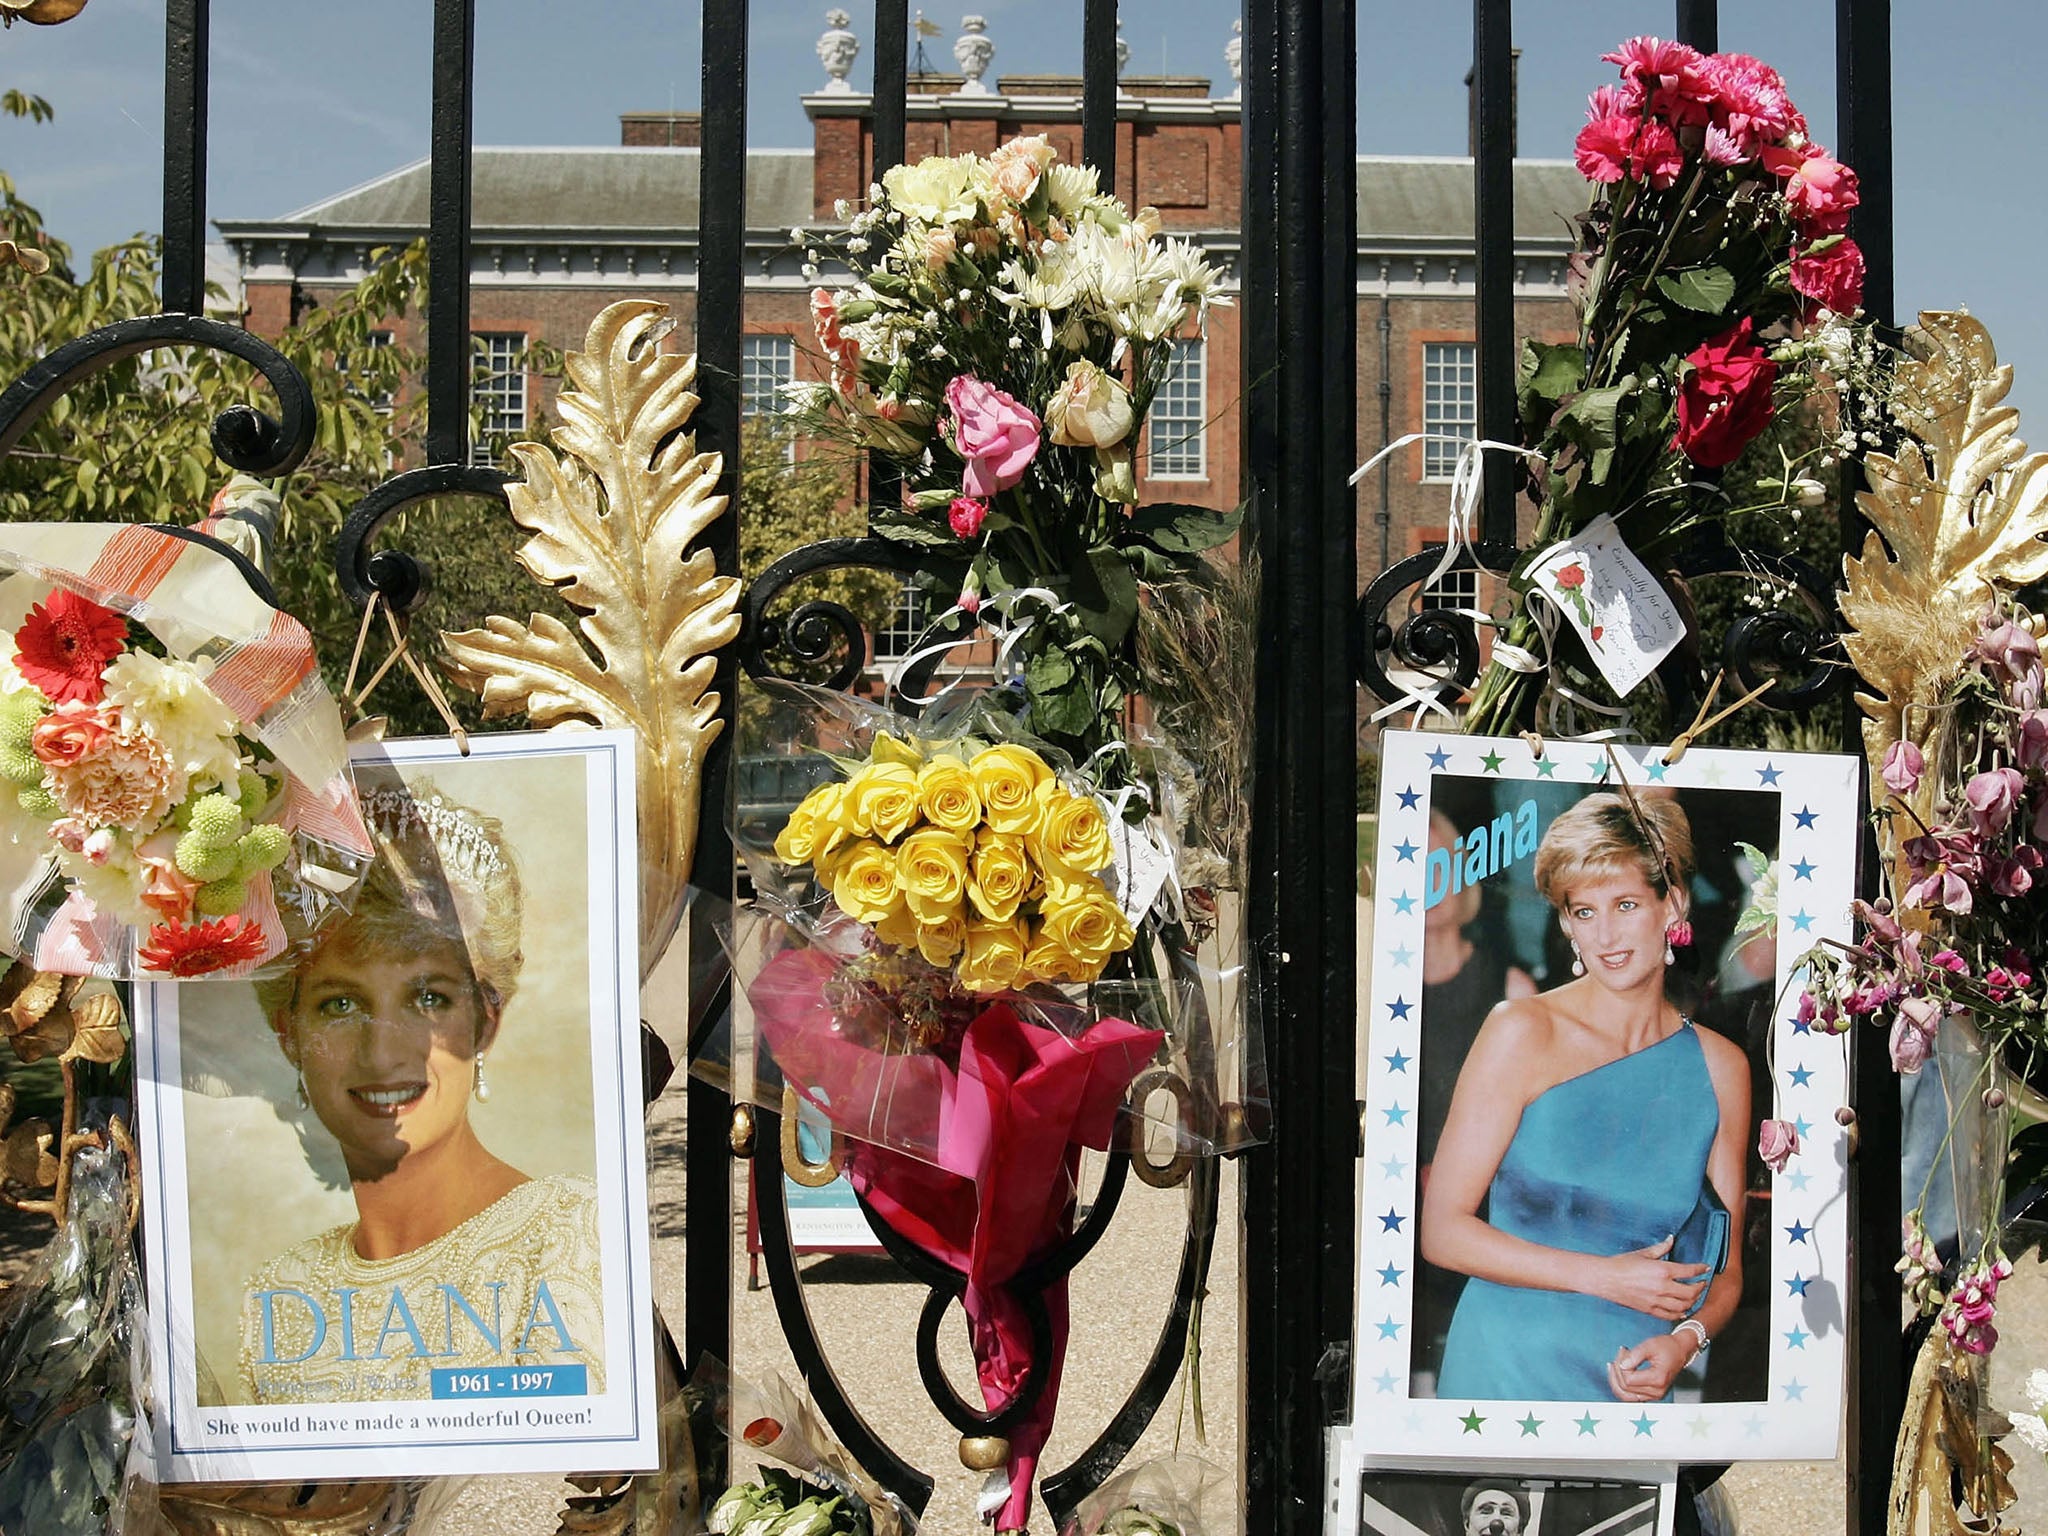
x=967, y=515
x=1993, y=796
x=1903, y=765
x=169, y=890
x=1832, y=279
x=1819, y=190
x=1777, y=1144
x=992, y=433
x=70, y=733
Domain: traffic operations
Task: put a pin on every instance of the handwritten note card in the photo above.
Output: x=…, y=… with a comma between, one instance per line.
x=1627, y=620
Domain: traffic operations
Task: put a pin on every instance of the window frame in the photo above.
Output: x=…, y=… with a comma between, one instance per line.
x=1192, y=443
x=1439, y=459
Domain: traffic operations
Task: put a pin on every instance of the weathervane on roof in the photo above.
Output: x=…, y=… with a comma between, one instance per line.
x=922, y=29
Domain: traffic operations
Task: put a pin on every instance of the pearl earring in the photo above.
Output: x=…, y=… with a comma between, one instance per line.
x=483, y=1089
x=1669, y=957
x=300, y=1090
x=1578, y=960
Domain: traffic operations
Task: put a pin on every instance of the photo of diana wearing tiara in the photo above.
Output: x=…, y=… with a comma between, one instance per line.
x=388, y=1020
x=401, y=1178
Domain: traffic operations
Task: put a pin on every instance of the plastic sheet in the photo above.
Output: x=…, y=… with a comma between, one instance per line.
x=1172, y=1496
x=87, y=847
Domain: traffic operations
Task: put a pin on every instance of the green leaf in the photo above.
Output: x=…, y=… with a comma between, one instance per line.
x=1548, y=374
x=1068, y=711
x=1048, y=671
x=1705, y=289
x=903, y=528
x=1182, y=529
x=1106, y=595
x=1590, y=416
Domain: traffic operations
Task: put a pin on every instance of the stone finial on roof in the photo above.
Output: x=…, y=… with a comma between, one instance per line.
x=973, y=51
x=1123, y=58
x=1233, y=55
x=837, y=50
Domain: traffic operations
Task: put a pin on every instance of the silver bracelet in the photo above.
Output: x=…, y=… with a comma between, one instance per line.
x=1698, y=1330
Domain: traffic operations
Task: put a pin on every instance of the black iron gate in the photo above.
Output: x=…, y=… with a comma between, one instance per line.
x=1295, y=1221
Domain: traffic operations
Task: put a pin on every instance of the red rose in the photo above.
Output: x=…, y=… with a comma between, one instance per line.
x=1572, y=576
x=1831, y=278
x=1725, y=398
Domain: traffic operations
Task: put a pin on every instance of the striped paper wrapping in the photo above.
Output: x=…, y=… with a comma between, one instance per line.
x=197, y=602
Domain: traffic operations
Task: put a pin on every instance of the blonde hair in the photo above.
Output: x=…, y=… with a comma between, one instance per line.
x=1604, y=834
x=443, y=874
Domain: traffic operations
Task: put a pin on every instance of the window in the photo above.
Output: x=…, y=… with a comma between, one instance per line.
x=899, y=637
x=381, y=400
x=1450, y=403
x=1178, y=415
x=500, y=389
x=767, y=363
x=1453, y=589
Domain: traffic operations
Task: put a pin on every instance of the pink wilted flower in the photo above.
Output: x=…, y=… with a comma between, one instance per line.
x=1913, y=1034
x=1920, y=1264
x=1679, y=934
x=966, y=516
x=2030, y=739
x=1903, y=765
x=992, y=432
x=1974, y=1303
x=1993, y=795
x=1777, y=1144
x=2014, y=875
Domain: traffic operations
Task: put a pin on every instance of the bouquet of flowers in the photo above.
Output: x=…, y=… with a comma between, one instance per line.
x=1714, y=283
x=1007, y=326
x=147, y=783
x=1962, y=937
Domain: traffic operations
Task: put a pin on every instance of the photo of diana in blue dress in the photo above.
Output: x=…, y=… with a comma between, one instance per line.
x=1604, y=1137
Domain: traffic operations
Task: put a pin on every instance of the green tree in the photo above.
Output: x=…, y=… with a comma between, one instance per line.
x=130, y=444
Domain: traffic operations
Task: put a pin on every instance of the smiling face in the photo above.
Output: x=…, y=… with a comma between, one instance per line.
x=1617, y=920
x=387, y=1042
x=1494, y=1513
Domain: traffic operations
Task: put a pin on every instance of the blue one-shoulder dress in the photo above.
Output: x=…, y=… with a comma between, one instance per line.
x=1606, y=1162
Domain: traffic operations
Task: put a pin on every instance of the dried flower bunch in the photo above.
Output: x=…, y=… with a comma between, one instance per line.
x=134, y=773
x=1007, y=327
x=1964, y=933
x=1710, y=268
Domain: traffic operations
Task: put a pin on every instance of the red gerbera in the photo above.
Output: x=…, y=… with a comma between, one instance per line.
x=194, y=949
x=66, y=643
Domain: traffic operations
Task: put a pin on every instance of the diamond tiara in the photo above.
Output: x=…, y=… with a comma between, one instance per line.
x=464, y=847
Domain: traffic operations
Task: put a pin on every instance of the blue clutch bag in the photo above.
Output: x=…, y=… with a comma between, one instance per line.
x=1703, y=1239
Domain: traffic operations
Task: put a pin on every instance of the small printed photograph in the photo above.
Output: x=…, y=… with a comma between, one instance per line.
x=1475, y=1504
x=1603, y=1162
x=394, y=1168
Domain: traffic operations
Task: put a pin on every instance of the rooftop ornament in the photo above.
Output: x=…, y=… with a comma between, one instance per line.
x=1233, y=56
x=974, y=52
x=837, y=49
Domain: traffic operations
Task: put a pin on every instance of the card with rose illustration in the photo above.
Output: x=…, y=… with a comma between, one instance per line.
x=1592, y=1197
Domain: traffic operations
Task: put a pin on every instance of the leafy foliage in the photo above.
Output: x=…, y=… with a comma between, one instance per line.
x=129, y=443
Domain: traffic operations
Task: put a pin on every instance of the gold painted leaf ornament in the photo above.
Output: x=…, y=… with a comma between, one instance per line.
x=1963, y=508
x=613, y=516
x=1950, y=1476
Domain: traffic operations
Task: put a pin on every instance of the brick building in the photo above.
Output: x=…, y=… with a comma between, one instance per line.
x=561, y=232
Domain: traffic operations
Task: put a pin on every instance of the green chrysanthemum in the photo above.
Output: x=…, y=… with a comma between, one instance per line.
x=19, y=713
x=262, y=847
x=253, y=792
x=220, y=898
x=204, y=858
x=217, y=819
x=20, y=766
x=38, y=801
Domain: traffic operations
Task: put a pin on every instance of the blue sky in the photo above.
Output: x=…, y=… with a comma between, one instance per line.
x=313, y=98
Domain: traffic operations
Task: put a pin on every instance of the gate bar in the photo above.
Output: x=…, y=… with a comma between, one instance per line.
x=187, y=24
x=1099, y=90
x=1699, y=23
x=1877, y=1361
x=449, y=362
x=892, y=82
x=1296, y=1189
x=721, y=300
x=1493, y=231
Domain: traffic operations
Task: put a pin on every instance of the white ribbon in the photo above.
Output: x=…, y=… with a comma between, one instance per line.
x=1006, y=633
x=1468, y=483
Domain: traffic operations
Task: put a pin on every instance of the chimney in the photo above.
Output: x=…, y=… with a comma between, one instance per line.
x=1514, y=107
x=663, y=130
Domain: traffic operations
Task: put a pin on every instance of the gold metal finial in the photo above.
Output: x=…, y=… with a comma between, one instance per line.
x=615, y=519
x=741, y=1134
x=983, y=1453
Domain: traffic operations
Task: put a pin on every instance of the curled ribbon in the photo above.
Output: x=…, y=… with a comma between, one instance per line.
x=1006, y=633
x=1468, y=480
